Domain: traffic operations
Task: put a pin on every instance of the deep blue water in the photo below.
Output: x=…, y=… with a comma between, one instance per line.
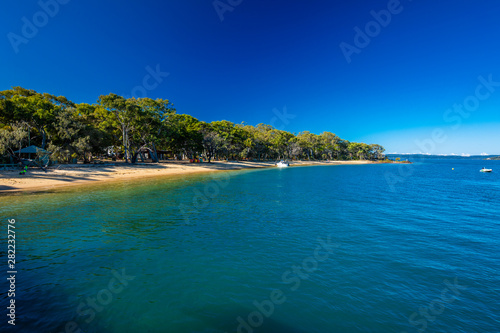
x=367, y=248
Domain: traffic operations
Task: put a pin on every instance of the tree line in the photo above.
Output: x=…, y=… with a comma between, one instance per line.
x=127, y=127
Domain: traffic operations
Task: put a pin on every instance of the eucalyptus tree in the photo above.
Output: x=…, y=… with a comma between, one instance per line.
x=293, y=148
x=151, y=128
x=377, y=151
x=212, y=142
x=280, y=141
x=75, y=134
x=67, y=140
x=36, y=110
x=100, y=136
x=341, y=148
x=136, y=124
x=307, y=142
x=233, y=136
x=118, y=113
x=13, y=135
x=358, y=150
x=262, y=144
x=184, y=134
x=330, y=144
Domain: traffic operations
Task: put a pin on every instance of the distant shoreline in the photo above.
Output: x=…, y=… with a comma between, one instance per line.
x=446, y=156
x=37, y=180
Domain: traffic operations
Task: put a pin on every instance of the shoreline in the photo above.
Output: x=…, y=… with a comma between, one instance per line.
x=72, y=175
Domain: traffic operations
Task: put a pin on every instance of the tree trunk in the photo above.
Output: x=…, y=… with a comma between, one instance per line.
x=154, y=155
x=125, y=143
x=44, y=137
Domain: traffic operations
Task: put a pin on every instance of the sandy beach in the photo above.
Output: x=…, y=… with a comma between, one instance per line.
x=83, y=174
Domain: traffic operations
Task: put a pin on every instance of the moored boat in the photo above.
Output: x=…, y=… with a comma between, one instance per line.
x=282, y=164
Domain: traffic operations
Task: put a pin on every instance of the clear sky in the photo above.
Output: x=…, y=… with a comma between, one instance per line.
x=414, y=76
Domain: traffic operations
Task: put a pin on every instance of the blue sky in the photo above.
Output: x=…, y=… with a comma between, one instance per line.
x=398, y=89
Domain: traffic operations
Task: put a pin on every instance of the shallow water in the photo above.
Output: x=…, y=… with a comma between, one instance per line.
x=365, y=248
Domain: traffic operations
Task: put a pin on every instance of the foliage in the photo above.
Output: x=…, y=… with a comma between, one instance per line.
x=130, y=127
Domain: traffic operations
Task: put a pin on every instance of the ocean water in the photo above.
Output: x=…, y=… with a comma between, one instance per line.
x=364, y=248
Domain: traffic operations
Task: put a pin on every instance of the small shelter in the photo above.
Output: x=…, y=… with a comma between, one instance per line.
x=42, y=155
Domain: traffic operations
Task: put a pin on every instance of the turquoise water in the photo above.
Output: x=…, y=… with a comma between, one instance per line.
x=369, y=248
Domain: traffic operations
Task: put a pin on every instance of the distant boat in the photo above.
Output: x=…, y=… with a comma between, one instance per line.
x=282, y=164
x=485, y=170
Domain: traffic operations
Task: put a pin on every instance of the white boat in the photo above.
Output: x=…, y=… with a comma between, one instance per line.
x=486, y=170
x=282, y=164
